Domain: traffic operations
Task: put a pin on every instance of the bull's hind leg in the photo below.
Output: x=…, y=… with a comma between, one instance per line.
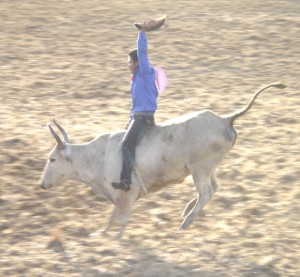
x=192, y=203
x=189, y=207
x=206, y=186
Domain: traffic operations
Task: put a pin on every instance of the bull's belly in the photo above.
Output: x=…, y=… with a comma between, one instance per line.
x=160, y=172
x=164, y=178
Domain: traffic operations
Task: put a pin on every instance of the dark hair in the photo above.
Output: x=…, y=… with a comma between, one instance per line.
x=133, y=55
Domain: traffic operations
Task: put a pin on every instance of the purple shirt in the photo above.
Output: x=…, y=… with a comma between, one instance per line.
x=143, y=89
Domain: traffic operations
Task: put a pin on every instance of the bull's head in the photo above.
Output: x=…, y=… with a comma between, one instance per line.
x=59, y=165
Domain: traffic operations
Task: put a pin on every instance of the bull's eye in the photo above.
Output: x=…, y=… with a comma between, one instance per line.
x=52, y=160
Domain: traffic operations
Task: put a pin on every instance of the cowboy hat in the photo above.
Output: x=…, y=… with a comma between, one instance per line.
x=151, y=25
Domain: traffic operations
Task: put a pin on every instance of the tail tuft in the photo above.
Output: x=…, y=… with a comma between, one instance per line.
x=279, y=85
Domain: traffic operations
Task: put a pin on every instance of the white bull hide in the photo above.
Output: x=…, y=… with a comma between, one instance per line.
x=193, y=145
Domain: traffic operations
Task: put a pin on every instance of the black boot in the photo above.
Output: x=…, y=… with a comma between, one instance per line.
x=123, y=185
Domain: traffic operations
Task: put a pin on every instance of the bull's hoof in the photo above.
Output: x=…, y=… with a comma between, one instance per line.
x=118, y=236
x=185, y=224
x=98, y=234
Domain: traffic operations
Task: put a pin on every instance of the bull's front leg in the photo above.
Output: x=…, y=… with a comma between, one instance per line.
x=112, y=219
x=124, y=219
x=118, y=214
x=124, y=204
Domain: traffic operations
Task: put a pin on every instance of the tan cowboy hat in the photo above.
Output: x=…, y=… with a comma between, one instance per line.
x=151, y=25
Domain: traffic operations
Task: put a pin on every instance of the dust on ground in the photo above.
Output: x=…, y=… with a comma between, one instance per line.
x=67, y=60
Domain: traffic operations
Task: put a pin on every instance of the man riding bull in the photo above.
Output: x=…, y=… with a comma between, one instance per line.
x=144, y=93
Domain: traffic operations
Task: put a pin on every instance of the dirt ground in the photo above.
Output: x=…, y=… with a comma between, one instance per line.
x=67, y=60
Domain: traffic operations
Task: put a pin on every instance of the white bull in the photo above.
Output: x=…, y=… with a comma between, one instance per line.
x=192, y=144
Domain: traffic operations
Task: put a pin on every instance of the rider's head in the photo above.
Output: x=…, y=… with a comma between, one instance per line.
x=133, y=61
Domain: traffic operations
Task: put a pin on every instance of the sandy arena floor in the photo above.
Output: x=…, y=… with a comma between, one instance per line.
x=67, y=60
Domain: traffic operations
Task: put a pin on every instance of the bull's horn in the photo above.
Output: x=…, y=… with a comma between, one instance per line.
x=55, y=135
x=61, y=129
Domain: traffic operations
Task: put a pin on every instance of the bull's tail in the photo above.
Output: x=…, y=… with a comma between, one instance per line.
x=232, y=117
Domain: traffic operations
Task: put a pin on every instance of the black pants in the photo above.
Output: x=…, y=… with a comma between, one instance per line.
x=137, y=129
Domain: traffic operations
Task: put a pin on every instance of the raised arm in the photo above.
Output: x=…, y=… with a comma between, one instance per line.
x=142, y=51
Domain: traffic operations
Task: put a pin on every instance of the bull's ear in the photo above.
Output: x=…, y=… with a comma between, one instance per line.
x=55, y=135
x=61, y=129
